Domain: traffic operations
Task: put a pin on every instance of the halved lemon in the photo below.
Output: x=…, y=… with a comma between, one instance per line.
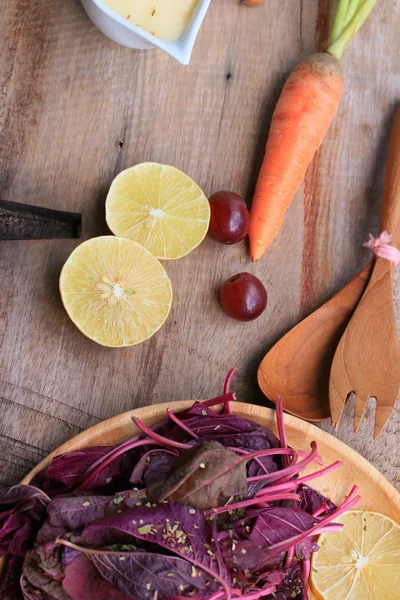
x=360, y=563
x=115, y=291
x=159, y=207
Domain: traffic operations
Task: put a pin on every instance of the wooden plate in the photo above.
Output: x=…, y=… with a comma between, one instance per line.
x=377, y=493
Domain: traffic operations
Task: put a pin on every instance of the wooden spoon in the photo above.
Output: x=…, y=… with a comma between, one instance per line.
x=298, y=366
x=367, y=360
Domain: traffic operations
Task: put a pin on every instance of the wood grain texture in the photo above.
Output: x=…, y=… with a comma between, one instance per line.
x=376, y=492
x=75, y=109
x=367, y=359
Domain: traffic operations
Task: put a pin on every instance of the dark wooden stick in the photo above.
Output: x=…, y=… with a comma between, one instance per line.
x=25, y=222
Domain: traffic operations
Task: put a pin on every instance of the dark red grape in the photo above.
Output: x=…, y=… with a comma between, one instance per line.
x=229, y=218
x=243, y=297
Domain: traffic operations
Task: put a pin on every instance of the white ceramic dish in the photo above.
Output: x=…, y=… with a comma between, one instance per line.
x=125, y=33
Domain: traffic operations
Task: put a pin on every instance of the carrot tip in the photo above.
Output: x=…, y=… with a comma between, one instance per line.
x=258, y=253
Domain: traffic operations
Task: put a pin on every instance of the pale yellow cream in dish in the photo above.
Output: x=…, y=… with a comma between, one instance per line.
x=165, y=19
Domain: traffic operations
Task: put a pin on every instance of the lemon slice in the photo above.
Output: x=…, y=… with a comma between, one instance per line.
x=159, y=207
x=115, y=291
x=360, y=563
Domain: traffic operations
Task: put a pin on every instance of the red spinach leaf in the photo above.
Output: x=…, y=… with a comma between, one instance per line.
x=311, y=500
x=140, y=574
x=66, y=470
x=277, y=523
x=74, y=512
x=153, y=467
x=22, y=511
x=228, y=429
x=175, y=528
x=245, y=543
x=10, y=588
x=292, y=586
x=227, y=424
x=48, y=533
x=205, y=477
x=38, y=580
x=81, y=574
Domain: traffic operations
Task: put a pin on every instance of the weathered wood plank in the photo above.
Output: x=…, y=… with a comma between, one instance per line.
x=17, y=458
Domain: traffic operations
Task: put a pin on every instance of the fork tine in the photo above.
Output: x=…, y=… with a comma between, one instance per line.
x=361, y=404
x=382, y=414
x=337, y=400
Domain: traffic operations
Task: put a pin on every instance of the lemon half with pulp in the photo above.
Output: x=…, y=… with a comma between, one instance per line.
x=115, y=291
x=362, y=562
x=160, y=207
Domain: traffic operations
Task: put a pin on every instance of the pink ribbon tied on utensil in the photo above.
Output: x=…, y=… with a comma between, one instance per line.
x=381, y=247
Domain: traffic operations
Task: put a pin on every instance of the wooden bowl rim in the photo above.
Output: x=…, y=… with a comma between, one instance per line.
x=298, y=414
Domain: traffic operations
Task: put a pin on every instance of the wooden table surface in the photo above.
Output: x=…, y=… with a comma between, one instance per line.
x=75, y=109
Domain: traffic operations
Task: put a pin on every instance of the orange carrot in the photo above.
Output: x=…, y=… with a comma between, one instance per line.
x=253, y=2
x=303, y=114
x=305, y=109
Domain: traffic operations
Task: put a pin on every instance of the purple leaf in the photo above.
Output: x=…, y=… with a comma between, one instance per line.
x=292, y=586
x=29, y=495
x=274, y=577
x=47, y=558
x=153, y=467
x=226, y=428
x=176, y=528
x=118, y=461
x=249, y=539
x=68, y=555
x=205, y=477
x=311, y=500
x=261, y=466
x=42, y=573
x=74, y=512
x=81, y=574
x=278, y=523
x=28, y=591
x=66, y=470
x=141, y=574
x=36, y=579
x=10, y=579
x=265, y=464
x=22, y=510
x=48, y=533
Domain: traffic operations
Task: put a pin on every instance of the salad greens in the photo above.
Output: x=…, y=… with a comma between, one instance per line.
x=203, y=505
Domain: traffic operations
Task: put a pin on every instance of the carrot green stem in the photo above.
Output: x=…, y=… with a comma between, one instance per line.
x=353, y=7
x=337, y=26
x=345, y=12
x=337, y=47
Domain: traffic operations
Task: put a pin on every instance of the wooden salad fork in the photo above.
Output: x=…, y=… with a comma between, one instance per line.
x=298, y=366
x=367, y=359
